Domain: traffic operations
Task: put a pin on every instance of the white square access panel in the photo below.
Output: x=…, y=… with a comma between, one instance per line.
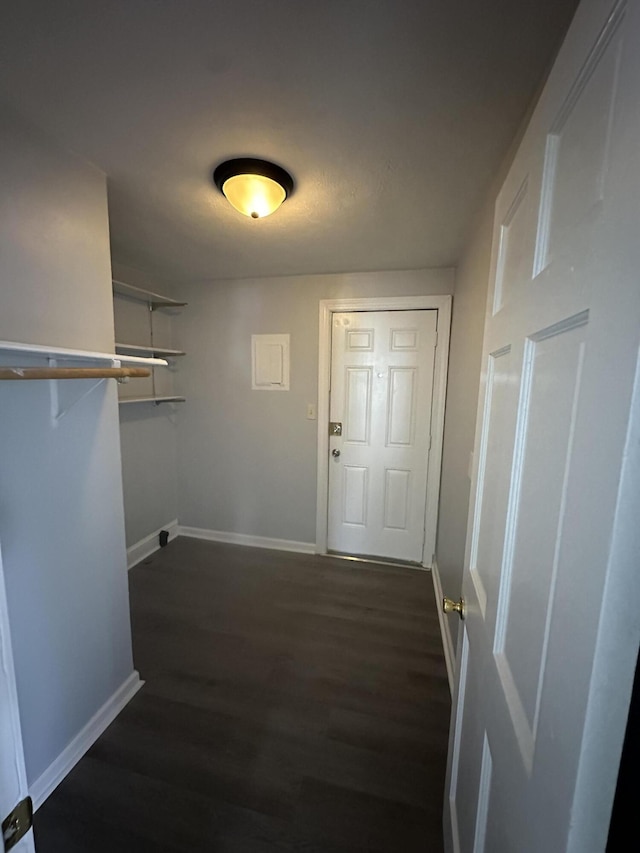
x=270, y=362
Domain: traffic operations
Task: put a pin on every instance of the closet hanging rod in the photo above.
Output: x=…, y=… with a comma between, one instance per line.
x=73, y=372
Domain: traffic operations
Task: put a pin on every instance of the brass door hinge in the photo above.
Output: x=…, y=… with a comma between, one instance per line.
x=16, y=825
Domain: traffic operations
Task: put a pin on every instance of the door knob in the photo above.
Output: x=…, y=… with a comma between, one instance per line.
x=450, y=606
x=335, y=452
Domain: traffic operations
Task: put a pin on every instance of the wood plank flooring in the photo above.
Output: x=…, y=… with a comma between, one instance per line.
x=292, y=703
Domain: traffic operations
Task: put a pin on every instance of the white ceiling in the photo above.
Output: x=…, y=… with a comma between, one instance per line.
x=391, y=115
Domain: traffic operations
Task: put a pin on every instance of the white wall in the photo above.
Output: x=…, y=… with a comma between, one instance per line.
x=247, y=459
x=55, y=244
x=149, y=445
x=61, y=513
x=149, y=442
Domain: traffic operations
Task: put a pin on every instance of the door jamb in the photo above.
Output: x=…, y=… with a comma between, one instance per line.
x=18, y=773
x=328, y=307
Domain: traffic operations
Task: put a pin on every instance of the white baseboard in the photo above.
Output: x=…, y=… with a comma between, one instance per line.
x=245, y=539
x=69, y=757
x=445, y=630
x=150, y=544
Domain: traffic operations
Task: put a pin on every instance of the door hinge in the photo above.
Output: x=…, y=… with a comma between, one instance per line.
x=16, y=825
x=429, y=443
x=436, y=341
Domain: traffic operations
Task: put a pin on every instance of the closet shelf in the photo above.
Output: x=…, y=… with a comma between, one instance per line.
x=18, y=373
x=81, y=355
x=145, y=333
x=157, y=400
x=155, y=300
x=158, y=351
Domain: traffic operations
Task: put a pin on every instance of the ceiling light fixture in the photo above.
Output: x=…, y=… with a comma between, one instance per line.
x=254, y=187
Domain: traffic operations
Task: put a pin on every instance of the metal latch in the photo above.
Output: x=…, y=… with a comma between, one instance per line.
x=335, y=428
x=16, y=825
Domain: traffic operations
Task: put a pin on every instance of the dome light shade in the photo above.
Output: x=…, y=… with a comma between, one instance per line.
x=254, y=187
x=253, y=195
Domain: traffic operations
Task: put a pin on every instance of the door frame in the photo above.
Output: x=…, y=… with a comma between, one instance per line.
x=14, y=732
x=329, y=307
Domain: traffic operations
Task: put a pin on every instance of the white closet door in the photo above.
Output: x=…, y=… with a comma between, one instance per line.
x=551, y=585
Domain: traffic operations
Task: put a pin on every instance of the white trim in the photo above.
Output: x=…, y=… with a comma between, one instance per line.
x=445, y=630
x=84, y=740
x=14, y=777
x=150, y=544
x=442, y=304
x=440, y=371
x=450, y=815
x=246, y=539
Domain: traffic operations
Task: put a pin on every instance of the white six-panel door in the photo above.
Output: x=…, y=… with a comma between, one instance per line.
x=382, y=365
x=541, y=692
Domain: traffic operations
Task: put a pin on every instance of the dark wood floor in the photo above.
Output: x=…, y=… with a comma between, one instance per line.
x=292, y=703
